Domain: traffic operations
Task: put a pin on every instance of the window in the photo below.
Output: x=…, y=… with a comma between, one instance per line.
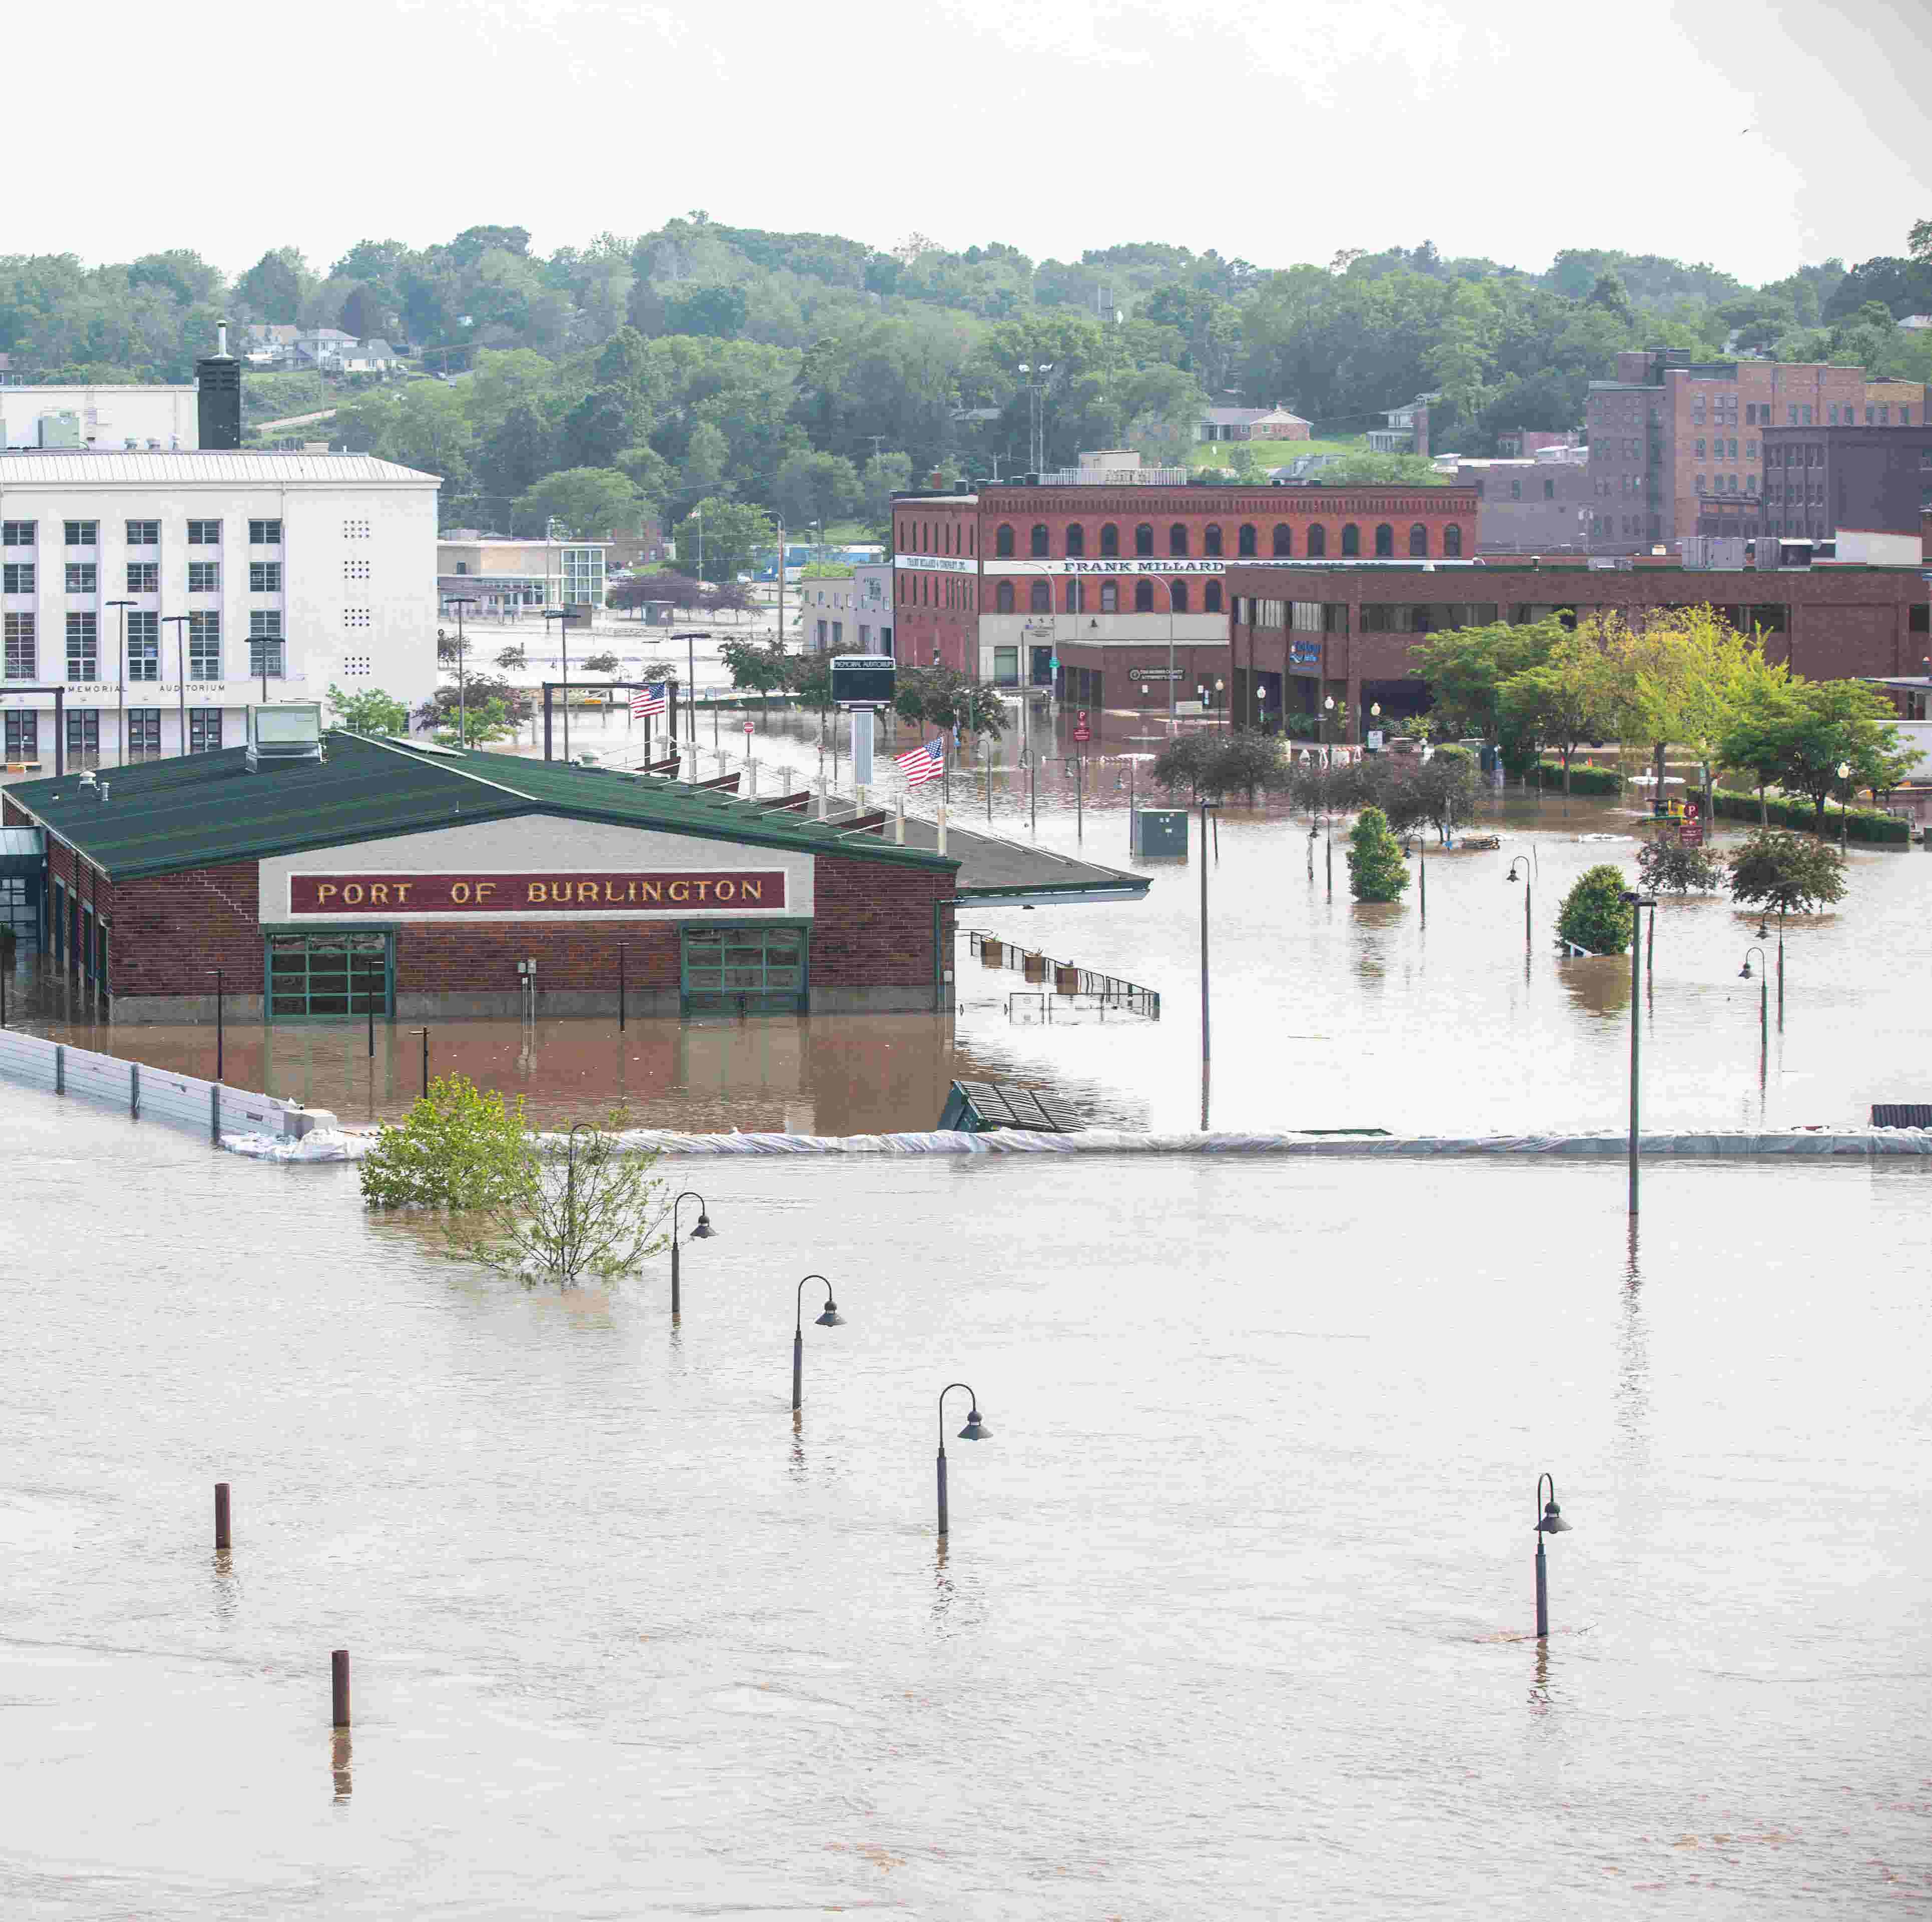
x=1176, y=596
x=1144, y=539
x=1516, y=488
x=759, y=969
x=269, y=534
x=1317, y=544
x=1750, y=413
x=144, y=734
x=80, y=577
x=204, y=646
x=1700, y=450
x=1733, y=454
x=1806, y=420
x=83, y=737
x=144, y=577
x=1418, y=541
x=1700, y=484
x=265, y=576
x=1040, y=598
x=1003, y=542
x=1352, y=542
x=204, y=533
x=1284, y=540
x=1384, y=541
x=1110, y=541
x=204, y=730
x=1110, y=598
x=144, y=647
x=1750, y=450
x=1791, y=417
x=1245, y=543
x=17, y=577
x=1003, y=597
x=342, y=974
x=23, y=652
x=1210, y=541
x=204, y=577
x=17, y=533
x=1036, y=541
x=1452, y=543
x=83, y=647
x=1006, y=667
x=1885, y=417
x=1076, y=596
x=82, y=533
x=1210, y=598
x=22, y=735
x=1176, y=539
x=144, y=533
x=1076, y=542
x=1143, y=597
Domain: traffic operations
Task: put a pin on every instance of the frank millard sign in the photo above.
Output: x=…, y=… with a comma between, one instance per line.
x=528, y=894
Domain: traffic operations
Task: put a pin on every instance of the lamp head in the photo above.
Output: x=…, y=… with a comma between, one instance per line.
x=1764, y=931
x=1744, y=972
x=1552, y=1522
x=831, y=1318
x=975, y=1430
x=704, y=1232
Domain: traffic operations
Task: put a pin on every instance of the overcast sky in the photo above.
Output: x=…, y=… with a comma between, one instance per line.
x=1755, y=136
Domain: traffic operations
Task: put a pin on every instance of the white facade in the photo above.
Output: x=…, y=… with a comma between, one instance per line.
x=105, y=417
x=872, y=594
x=294, y=572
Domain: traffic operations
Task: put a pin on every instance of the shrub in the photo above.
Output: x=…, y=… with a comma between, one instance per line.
x=1865, y=824
x=457, y=1148
x=1665, y=866
x=1376, y=869
x=1789, y=873
x=1584, y=779
x=1593, y=915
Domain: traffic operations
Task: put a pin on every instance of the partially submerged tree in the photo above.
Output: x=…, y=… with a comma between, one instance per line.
x=1594, y=915
x=1665, y=865
x=458, y=1148
x=1775, y=869
x=1376, y=870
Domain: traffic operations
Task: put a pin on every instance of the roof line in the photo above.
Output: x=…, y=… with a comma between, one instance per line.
x=449, y=767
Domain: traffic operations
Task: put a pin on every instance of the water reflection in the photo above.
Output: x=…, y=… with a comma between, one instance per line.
x=340, y=1754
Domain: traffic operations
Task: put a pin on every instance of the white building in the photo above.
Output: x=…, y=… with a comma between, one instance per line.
x=160, y=418
x=239, y=578
x=872, y=595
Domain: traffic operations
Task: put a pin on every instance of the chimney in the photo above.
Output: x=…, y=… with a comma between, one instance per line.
x=218, y=378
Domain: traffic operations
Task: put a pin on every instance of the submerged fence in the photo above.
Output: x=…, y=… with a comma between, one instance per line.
x=148, y=1094
x=1063, y=978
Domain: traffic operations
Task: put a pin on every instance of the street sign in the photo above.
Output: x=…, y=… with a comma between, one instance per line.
x=1375, y=738
x=747, y=727
x=1153, y=673
x=1081, y=732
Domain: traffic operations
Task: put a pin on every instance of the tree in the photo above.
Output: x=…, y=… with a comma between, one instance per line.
x=1568, y=698
x=1665, y=865
x=272, y=290
x=733, y=533
x=370, y=711
x=760, y=665
x=1376, y=870
x=1445, y=787
x=823, y=487
x=591, y=503
x=1775, y=869
x=456, y=1148
x=1594, y=915
x=707, y=457
x=1465, y=668
x=600, y=663
x=809, y=675
x=513, y=659
x=479, y=722
x=1757, y=740
x=1182, y=762
x=884, y=475
x=666, y=588
x=1840, y=721
x=944, y=697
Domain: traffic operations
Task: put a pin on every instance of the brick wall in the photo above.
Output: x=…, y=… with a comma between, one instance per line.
x=872, y=926
x=481, y=958
x=171, y=931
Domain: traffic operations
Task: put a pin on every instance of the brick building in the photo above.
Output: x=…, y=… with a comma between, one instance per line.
x=393, y=881
x=1105, y=577
x=1821, y=481
x=1304, y=634
x=1537, y=506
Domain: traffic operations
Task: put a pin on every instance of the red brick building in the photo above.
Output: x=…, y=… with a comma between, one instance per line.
x=1304, y=635
x=1106, y=576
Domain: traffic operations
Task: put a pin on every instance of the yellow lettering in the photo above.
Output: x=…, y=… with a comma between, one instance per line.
x=652, y=891
x=459, y=892
x=630, y=891
x=538, y=892
x=352, y=893
x=403, y=892
x=379, y=891
x=752, y=890
x=586, y=890
x=680, y=891
x=610, y=892
x=484, y=889
x=323, y=891
x=726, y=891
x=702, y=887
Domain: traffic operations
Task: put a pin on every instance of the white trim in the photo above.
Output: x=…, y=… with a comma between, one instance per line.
x=933, y=564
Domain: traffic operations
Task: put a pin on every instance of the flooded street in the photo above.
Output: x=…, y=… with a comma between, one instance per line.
x=1234, y=1617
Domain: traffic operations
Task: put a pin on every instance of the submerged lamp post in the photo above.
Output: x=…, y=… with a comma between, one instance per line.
x=975, y=1430
x=1844, y=800
x=1763, y=991
x=831, y=1318
x=1549, y=1521
x=1637, y=902
x=1529, y=888
x=704, y=1232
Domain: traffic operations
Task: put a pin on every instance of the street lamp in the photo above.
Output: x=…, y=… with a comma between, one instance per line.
x=1638, y=902
x=1844, y=800
x=1528, y=888
x=1763, y=991
x=459, y=602
x=1220, y=714
x=1205, y=1053
x=975, y=1430
x=1549, y=1521
x=831, y=1318
x=704, y=1232
x=563, y=635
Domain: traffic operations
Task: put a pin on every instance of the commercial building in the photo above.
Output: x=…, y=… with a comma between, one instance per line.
x=388, y=879
x=1301, y=635
x=162, y=593
x=1537, y=506
x=1822, y=482
x=157, y=418
x=872, y=584
x=1526, y=443
x=504, y=575
x=1113, y=578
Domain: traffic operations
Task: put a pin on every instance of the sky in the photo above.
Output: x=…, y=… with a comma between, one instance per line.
x=1756, y=135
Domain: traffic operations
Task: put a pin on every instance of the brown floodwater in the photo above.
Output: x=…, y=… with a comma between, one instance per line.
x=1234, y=1619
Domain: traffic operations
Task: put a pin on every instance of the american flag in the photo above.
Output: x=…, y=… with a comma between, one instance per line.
x=924, y=764
x=647, y=701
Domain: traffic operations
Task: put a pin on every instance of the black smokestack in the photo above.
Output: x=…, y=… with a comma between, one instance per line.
x=217, y=377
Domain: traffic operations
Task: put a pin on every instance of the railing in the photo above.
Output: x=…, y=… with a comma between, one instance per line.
x=1063, y=978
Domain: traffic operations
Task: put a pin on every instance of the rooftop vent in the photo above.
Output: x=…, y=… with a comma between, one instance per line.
x=292, y=732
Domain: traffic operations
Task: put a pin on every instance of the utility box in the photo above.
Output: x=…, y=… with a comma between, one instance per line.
x=1160, y=830
x=977, y=1108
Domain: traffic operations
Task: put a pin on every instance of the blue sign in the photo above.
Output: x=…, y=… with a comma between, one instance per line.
x=1304, y=654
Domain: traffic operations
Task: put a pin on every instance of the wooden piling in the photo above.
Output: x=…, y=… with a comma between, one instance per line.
x=223, y=1533
x=338, y=1686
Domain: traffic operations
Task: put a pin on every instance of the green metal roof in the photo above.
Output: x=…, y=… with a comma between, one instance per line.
x=202, y=809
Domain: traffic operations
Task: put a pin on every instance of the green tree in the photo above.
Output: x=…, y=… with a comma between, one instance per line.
x=1466, y=668
x=480, y=723
x=1376, y=870
x=591, y=503
x=272, y=290
x=1664, y=865
x=1594, y=915
x=369, y=711
x=816, y=486
x=759, y=665
x=944, y=697
x=1785, y=871
x=884, y=475
x=734, y=531
x=1841, y=721
x=458, y=1147
x=1567, y=698
x=1757, y=740
x=1446, y=787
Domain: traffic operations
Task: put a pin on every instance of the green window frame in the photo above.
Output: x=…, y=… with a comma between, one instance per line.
x=338, y=974
x=759, y=967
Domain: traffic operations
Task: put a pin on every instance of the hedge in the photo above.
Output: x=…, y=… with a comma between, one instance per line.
x=1584, y=778
x=1865, y=824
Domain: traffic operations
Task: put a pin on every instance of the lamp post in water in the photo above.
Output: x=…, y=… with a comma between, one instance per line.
x=831, y=1318
x=975, y=1430
x=1637, y=902
x=1763, y=992
x=1528, y=888
x=703, y=1231
x=1549, y=1521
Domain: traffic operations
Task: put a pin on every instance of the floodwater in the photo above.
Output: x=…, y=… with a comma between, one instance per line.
x=1323, y=1013
x=1234, y=1619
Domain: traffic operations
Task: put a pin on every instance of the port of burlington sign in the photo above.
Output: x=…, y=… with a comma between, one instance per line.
x=623, y=892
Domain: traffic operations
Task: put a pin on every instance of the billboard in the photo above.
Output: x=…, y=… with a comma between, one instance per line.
x=862, y=680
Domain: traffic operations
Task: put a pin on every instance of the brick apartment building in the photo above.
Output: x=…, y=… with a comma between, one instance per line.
x=1821, y=482
x=1103, y=575
x=1300, y=635
x=1669, y=435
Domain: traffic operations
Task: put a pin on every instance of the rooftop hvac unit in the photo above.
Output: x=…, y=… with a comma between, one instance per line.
x=289, y=732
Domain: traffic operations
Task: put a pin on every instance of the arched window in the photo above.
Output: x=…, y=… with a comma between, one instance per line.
x=1452, y=543
x=1177, y=596
x=1284, y=540
x=1317, y=544
x=1110, y=541
x=1385, y=542
x=1211, y=541
x=1143, y=539
x=1003, y=596
x=1352, y=542
x=1143, y=597
x=1245, y=544
x=1003, y=542
x=1076, y=541
x=1040, y=598
x=1039, y=541
x=1176, y=539
x=1418, y=541
x=1210, y=598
